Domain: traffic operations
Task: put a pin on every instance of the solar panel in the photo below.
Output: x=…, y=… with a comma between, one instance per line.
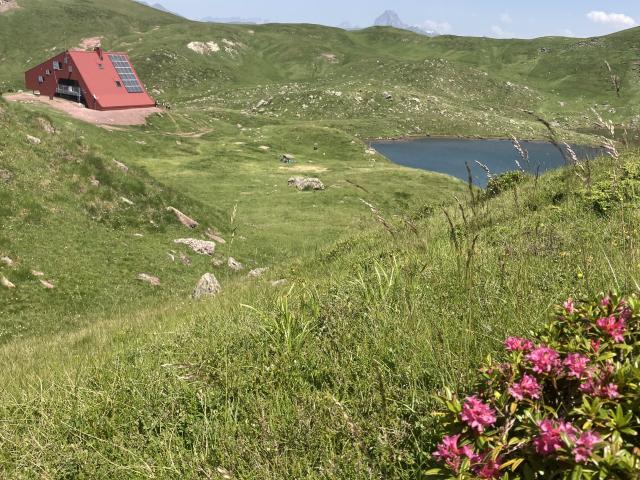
x=124, y=69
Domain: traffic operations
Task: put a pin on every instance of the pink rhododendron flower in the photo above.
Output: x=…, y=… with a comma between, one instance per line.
x=477, y=414
x=544, y=360
x=576, y=365
x=605, y=302
x=515, y=344
x=449, y=452
x=550, y=438
x=612, y=326
x=527, y=387
x=598, y=386
x=595, y=345
x=584, y=446
x=569, y=306
x=489, y=469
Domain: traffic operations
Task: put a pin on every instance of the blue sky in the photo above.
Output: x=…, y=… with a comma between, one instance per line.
x=519, y=18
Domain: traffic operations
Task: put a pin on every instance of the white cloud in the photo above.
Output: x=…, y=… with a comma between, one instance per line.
x=616, y=20
x=500, y=32
x=506, y=18
x=440, y=27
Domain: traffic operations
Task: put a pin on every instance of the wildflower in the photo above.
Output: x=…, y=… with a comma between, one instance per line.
x=477, y=414
x=550, y=438
x=597, y=384
x=595, y=345
x=605, y=302
x=489, y=469
x=527, y=387
x=449, y=452
x=576, y=365
x=515, y=344
x=584, y=446
x=544, y=360
x=569, y=306
x=612, y=326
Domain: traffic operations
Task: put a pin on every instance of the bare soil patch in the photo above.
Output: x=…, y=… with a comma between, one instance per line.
x=90, y=43
x=305, y=168
x=131, y=116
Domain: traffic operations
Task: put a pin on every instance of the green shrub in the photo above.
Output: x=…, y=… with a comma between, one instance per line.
x=565, y=404
x=621, y=187
x=503, y=182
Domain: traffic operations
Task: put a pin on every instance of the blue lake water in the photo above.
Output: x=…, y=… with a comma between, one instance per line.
x=450, y=155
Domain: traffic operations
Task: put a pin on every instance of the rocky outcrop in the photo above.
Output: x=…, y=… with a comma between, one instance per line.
x=4, y=281
x=150, y=279
x=215, y=236
x=257, y=272
x=203, y=247
x=234, y=264
x=183, y=219
x=304, y=184
x=33, y=140
x=46, y=126
x=7, y=261
x=121, y=166
x=207, y=286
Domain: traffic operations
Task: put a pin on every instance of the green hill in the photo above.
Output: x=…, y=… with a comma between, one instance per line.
x=382, y=289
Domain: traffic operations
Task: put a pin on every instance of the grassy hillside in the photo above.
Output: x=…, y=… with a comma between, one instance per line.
x=390, y=284
x=332, y=379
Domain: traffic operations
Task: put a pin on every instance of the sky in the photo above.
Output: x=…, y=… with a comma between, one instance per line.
x=494, y=18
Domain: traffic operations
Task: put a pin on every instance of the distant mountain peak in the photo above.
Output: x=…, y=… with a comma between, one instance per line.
x=391, y=19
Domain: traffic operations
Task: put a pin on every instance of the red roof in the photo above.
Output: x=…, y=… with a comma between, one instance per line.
x=102, y=80
x=100, y=77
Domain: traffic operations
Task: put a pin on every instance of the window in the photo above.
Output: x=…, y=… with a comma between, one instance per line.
x=118, y=84
x=70, y=69
x=40, y=79
x=66, y=59
x=56, y=65
x=47, y=71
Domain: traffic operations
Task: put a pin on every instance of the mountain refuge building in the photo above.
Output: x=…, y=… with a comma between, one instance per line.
x=100, y=80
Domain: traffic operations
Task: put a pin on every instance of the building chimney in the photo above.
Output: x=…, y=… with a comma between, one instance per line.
x=99, y=51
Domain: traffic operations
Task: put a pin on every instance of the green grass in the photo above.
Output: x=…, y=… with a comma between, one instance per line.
x=331, y=375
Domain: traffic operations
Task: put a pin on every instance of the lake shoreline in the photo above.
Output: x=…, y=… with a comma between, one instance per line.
x=410, y=138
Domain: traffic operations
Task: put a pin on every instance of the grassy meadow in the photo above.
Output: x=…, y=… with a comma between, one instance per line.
x=389, y=285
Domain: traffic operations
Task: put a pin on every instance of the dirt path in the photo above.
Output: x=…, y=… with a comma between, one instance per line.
x=131, y=116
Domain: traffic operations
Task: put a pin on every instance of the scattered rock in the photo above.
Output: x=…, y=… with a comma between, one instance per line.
x=215, y=236
x=304, y=184
x=279, y=283
x=387, y=96
x=185, y=220
x=207, y=286
x=94, y=182
x=7, y=5
x=330, y=57
x=5, y=175
x=264, y=148
x=287, y=158
x=171, y=256
x=234, y=264
x=263, y=103
x=202, y=247
x=33, y=140
x=370, y=151
x=121, y=166
x=138, y=235
x=7, y=261
x=185, y=260
x=46, y=126
x=36, y=273
x=257, y=272
x=150, y=279
x=47, y=285
x=204, y=48
x=127, y=201
x=5, y=282
x=217, y=262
